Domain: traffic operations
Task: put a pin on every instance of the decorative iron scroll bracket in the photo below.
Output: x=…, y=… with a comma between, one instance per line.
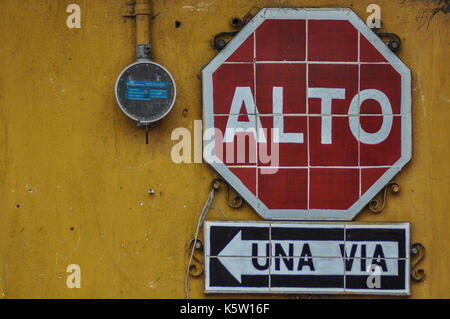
x=378, y=205
x=235, y=201
x=196, y=267
x=418, y=250
x=219, y=42
x=394, y=43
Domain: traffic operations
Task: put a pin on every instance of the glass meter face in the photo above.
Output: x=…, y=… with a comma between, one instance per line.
x=145, y=91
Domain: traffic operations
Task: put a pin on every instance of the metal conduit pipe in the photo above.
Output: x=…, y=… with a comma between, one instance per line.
x=142, y=12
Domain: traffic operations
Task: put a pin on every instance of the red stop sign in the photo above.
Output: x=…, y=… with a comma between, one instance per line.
x=307, y=114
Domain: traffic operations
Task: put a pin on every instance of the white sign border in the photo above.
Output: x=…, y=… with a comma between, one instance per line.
x=329, y=291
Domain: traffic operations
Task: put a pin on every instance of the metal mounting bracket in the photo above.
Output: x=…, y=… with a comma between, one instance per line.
x=235, y=201
x=394, y=43
x=378, y=205
x=417, y=250
x=196, y=268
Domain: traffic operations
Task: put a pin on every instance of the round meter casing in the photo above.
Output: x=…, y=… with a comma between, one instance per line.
x=145, y=91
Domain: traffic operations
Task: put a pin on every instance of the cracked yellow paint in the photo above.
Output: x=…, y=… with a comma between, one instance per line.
x=74, y=169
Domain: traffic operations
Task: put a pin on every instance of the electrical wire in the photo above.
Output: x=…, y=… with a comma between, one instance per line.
x=201, y=218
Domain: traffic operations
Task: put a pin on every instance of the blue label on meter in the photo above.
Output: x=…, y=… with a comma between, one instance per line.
x=146, y=90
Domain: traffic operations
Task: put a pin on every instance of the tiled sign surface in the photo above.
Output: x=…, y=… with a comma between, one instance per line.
x=275, y=257
x=338, y=98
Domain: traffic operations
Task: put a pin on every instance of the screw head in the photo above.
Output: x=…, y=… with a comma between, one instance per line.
x=215, y=185
x=220, y=44
x=394, y=45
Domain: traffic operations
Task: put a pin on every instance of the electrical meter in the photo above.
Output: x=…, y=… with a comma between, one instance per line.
x=145, y=91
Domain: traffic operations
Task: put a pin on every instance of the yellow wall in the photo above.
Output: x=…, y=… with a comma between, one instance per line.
x=63, y=136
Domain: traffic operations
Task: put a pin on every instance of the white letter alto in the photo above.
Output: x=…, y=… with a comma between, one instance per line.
x=326, y=95
x=243, y=95
x=278, y=120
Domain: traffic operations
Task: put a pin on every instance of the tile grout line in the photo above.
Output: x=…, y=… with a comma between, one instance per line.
x=307, y=112
x=343, y=258
x=359, y=111
x=303, y=167
x=256, y=116
x=310, y=62
x=270, y=256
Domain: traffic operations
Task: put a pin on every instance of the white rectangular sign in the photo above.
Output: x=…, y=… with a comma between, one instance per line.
x=271, y=257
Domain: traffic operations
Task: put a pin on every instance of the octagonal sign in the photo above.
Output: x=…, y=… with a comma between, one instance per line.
x=307, y=114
